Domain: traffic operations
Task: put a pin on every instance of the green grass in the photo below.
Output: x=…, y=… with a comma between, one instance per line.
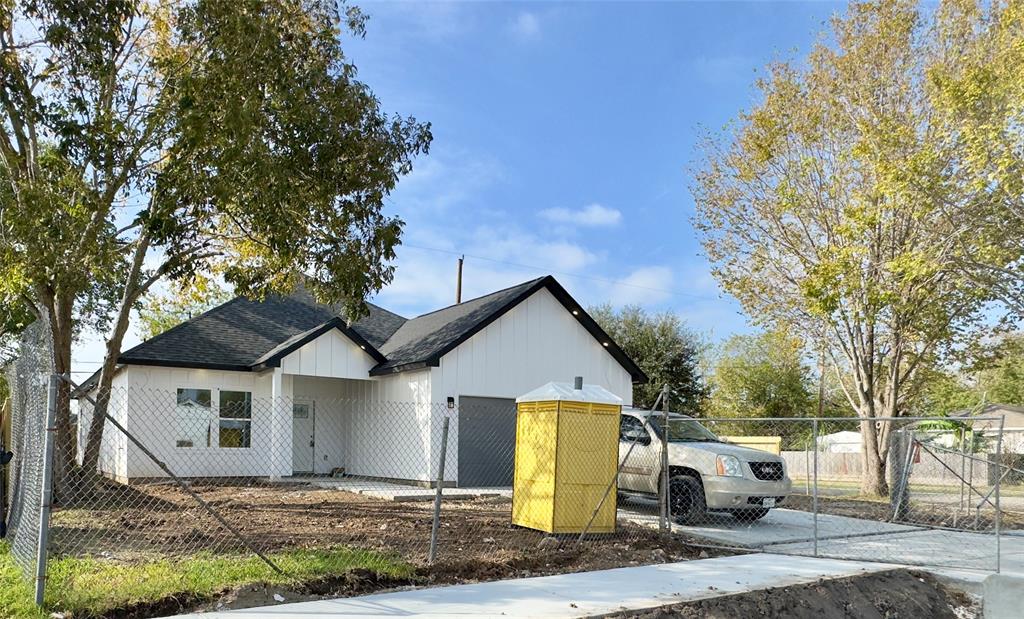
x=90, y=587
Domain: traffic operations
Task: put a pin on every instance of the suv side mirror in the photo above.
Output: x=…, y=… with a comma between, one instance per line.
x=641, y=439
x=5, y=457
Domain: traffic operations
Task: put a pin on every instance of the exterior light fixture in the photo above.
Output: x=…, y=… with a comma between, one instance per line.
x=451, y=402
x=575, y=312
x=605, y=344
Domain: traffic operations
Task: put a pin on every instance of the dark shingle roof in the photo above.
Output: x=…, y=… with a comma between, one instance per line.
x=252, y=335
x=242, y=333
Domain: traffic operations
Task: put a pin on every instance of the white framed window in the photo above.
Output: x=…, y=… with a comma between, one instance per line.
x=192, y=417
x=235, y=424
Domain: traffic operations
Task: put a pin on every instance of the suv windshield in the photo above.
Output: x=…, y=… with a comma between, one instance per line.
x=683, y=430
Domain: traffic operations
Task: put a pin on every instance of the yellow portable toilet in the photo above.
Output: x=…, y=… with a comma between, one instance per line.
x=567, y=452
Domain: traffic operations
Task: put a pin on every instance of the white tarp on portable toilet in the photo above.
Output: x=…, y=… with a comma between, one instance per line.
x=566, y=392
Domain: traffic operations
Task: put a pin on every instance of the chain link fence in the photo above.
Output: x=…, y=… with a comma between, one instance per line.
x=312, y=484
x=29, y=378
x=935, y=492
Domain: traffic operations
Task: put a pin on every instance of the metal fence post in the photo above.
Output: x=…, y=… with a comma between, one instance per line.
x=46, y=496
x=664, y=523
x=814, y=446
x=999, y=477
x=437, y=493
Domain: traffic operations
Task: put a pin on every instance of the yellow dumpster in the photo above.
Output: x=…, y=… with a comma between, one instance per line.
x=567, y=451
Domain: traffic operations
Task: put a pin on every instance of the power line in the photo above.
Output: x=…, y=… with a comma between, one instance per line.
x=567, y=274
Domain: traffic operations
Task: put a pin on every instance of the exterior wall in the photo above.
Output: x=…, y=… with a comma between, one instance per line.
x=332, y=355
x=113, y=458
x=151, y=405
x=536, y=342
x=391, y=426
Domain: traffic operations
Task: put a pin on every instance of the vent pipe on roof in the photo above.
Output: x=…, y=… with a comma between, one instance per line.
x=578, y=383
x=458, y=283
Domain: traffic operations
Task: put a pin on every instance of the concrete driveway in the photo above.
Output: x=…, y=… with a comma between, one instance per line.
x=791, y=531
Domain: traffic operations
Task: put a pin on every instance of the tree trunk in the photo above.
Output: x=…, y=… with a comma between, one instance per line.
x=873, y=481
x=132, y=291
x=61, y=327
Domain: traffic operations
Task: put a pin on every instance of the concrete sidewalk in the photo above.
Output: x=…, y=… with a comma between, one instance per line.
x=576, y=595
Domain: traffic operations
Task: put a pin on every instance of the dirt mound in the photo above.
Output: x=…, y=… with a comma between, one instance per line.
x=895, y=594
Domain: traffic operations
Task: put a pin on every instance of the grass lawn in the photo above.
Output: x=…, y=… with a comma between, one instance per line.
x=89, y=587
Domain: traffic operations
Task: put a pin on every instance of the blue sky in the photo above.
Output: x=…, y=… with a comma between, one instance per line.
x=563, y=135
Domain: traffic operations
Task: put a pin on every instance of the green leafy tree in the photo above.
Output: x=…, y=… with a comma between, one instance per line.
x=761, y=375
x=1000, y=372
x=159, y=313
x=152, y=140
x=844, y=204
x=664, y=348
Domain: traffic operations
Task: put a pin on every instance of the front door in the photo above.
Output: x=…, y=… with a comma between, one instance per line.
x=487, y=441
x=303, y=439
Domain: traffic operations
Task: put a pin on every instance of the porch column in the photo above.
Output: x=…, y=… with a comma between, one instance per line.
x=280, y=452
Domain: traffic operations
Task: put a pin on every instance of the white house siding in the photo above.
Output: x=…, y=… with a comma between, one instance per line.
x=150, y=415
x=113, y=457
x=332, y=355
x=536, y=342
x=390, y=426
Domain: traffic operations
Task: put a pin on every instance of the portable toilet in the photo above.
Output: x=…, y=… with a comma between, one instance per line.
x=567, y=452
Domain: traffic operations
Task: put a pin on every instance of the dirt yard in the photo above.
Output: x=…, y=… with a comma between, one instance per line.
x=160, y=519
x=898, y=594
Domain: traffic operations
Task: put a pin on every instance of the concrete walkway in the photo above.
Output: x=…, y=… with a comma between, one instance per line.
x=576, y=595
x=399, y=492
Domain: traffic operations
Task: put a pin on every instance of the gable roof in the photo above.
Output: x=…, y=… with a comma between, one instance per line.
x=245, y=335
x=422, y=341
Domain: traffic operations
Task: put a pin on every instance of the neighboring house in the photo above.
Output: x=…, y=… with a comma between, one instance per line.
x=285, y=386
x=1012, y=420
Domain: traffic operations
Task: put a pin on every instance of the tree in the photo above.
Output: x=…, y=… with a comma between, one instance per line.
x=761, y=375
x=152, y=140
x=667, y=351
x=829, y=207
x=191, y=298
x=1000, y=372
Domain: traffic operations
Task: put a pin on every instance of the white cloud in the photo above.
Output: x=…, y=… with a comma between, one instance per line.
x=644, y=286
x=590, y=215
x=526, y=25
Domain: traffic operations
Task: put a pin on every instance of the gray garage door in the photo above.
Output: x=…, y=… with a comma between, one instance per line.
x=487, y=437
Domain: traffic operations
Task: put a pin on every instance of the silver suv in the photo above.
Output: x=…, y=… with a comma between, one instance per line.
x=706, y=474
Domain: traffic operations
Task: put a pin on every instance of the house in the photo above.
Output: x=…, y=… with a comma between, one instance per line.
x=285, y=386
x=986, y=419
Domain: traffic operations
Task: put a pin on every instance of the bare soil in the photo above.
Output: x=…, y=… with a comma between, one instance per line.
x=161, y=519
x=896, y=594
x=477, y=541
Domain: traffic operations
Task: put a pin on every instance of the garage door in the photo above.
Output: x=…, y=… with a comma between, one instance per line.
x=487, y=437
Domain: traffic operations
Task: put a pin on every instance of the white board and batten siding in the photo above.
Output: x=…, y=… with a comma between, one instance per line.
x=332, y=355
x=151, y=402
x=534, y=343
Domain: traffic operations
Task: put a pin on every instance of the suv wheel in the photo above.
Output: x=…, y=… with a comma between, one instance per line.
x=749, y=515
x=686, y=499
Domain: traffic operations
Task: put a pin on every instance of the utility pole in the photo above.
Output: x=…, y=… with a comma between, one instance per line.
x=458, y=282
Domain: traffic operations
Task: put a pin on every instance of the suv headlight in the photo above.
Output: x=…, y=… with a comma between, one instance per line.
x=728, y=466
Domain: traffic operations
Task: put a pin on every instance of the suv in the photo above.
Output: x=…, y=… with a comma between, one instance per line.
x=706, y=474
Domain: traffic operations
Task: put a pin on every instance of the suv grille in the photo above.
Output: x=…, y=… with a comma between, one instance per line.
x=767, y=471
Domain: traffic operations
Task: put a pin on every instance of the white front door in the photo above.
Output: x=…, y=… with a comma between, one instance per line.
x=303, y=436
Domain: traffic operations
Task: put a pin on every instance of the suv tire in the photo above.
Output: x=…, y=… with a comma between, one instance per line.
x=686, y=499
x=749, y=515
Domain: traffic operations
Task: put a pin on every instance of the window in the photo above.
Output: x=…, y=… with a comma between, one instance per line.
x=300, y=410
x=193, y=418
x=632, y=430
x=684, y=430
x=235, y=419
